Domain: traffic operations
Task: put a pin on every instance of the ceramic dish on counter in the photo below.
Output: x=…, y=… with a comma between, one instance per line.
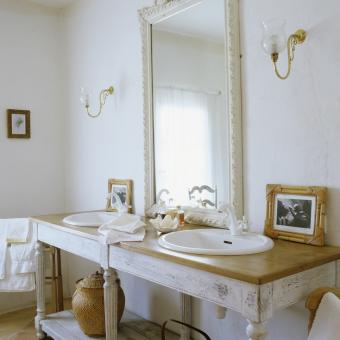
x=164, y=225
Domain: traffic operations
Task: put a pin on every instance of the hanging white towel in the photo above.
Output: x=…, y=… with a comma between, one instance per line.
x=17, y=261
x=16, y=282
x=23, y=254
x=127, y=227
x=17, y=229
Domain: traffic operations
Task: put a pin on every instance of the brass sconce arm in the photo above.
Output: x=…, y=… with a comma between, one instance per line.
x=102, y=99
x=294, y=39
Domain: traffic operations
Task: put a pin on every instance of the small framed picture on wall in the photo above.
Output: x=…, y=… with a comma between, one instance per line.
x=296, y=213
x=18, y=124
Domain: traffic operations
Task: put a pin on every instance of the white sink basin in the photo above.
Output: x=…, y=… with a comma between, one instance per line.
x=89, y=219
x=215, y=242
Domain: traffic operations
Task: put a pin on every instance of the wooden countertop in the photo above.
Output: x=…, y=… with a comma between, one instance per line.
x=56, y=221
x=285, y=258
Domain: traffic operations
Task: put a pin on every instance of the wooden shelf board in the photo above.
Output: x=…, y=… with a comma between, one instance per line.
x=63, y=325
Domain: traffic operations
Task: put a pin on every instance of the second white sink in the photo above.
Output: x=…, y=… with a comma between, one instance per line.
x=215, y=242
x=90, y=219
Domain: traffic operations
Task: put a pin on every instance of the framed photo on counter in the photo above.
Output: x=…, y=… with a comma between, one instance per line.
x=123, y=188
x=296, y=213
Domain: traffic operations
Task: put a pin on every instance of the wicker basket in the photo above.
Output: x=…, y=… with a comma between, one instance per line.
x=88, y=304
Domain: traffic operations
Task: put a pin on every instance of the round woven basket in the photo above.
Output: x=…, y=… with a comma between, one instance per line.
x=88, y=304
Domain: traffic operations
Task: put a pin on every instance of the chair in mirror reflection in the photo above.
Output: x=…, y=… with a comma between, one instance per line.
x=204, y=196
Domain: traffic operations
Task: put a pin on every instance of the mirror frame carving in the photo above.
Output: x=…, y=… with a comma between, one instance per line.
x=151, y=15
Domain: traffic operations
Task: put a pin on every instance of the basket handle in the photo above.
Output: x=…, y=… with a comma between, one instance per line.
x=184, y=324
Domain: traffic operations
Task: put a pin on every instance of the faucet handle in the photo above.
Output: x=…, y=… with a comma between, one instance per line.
x=244, y=223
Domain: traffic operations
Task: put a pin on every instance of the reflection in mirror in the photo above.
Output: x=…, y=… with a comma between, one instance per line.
x=190, y=105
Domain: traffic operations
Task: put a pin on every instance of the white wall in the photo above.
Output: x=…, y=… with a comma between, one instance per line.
x=102, y=49
x=32, y=176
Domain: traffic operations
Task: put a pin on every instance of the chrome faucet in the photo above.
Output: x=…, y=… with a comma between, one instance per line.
x=235, y=227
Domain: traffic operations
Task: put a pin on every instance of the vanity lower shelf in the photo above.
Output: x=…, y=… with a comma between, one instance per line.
x=63, y=325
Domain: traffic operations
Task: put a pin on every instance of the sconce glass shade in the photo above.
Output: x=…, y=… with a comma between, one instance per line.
x=274, y=37
x=84, y=97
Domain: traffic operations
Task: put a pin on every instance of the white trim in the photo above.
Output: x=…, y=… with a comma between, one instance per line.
x=162, y=10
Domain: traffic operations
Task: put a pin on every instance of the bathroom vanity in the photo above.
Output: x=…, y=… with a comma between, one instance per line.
x=254, y=285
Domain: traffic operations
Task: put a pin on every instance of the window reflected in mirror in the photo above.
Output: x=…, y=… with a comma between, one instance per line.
x=190, y=105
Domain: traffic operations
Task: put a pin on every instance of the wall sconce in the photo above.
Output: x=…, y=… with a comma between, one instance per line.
x=85, y=100
x=274, y=41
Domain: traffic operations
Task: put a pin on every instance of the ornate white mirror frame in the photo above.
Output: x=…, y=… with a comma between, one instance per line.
x=157, y=13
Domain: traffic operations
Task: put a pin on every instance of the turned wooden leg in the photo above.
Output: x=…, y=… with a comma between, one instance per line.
x=185, y=316
x=111, y=303
x=256, y=330
x=40, y=282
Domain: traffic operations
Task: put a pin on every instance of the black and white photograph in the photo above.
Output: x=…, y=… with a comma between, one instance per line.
x=293, y=211
x=121, y=191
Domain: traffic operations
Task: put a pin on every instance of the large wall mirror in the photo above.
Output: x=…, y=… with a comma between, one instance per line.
x=192, y=102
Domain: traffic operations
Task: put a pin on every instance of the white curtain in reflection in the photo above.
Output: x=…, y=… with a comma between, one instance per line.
x=187, y=140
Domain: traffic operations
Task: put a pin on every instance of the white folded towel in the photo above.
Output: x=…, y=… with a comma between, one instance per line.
x=207, y=217
x=126, y=227
x=17, y=229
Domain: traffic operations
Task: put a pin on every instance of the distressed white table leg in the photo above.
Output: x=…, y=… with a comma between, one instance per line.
x=40, y=283
x=185, y=316
x=111, y=303
x=256, y=330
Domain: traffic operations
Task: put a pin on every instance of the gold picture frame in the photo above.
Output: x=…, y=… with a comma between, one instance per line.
x=123, y=188
x=18, y=124
x=296, y=213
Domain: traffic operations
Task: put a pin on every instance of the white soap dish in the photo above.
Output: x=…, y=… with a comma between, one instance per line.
x=165, y=225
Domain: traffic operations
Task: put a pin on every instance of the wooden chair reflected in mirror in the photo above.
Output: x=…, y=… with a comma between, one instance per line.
x=204, y=195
